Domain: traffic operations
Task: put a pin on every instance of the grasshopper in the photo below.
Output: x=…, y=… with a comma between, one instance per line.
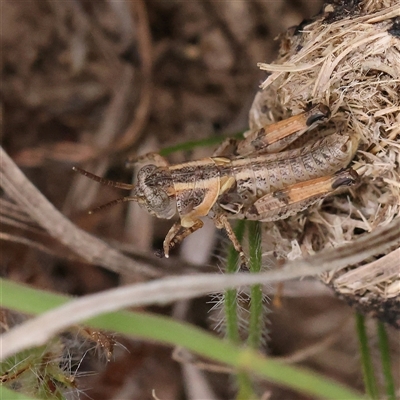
x=256, y=178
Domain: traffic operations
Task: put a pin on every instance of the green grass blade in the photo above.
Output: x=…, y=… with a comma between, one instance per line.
x=165, y=330
x=245, y=387
x=168, y=331
x=192, y=144
x=385, y=359
x=366, y=361
x=8, y=394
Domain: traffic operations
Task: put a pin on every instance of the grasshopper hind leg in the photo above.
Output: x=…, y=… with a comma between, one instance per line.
x=297, y=197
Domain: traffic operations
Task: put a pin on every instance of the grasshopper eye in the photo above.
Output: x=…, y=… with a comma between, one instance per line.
x=159, y=203
x=153, y=183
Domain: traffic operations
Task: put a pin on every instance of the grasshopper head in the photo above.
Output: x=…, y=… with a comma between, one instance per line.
x=155, y=191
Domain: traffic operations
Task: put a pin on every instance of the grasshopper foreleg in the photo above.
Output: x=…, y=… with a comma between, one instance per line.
x=176, y=234
x=221, y=222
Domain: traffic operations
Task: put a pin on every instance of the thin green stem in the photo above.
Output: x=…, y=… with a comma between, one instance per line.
x=245, y=384
x=243, y=380
x=231, y=317
x=367, y=366
x=230, y=298
x=256, y=296
x=385, y=359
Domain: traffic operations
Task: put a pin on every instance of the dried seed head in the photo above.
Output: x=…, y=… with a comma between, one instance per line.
x=351, y=62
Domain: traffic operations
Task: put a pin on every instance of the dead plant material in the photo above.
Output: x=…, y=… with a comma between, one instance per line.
x=132, y=133
x=21, y=190
x=164, y=291
x=348, y=59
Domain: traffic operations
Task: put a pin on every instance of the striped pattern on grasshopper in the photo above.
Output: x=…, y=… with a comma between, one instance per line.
x=254, y=178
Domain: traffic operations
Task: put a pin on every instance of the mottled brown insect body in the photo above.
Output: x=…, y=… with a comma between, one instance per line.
x=256, y=177
x=243, y=184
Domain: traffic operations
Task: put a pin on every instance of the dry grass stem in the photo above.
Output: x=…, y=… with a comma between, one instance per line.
x=40, y=329
x=91, y=249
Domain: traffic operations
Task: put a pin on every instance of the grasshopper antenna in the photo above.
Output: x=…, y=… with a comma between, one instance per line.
x=103, y=181
x=112, y=203
x=107, y=182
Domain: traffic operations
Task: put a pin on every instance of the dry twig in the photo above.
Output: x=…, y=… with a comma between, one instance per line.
x=91, y=249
